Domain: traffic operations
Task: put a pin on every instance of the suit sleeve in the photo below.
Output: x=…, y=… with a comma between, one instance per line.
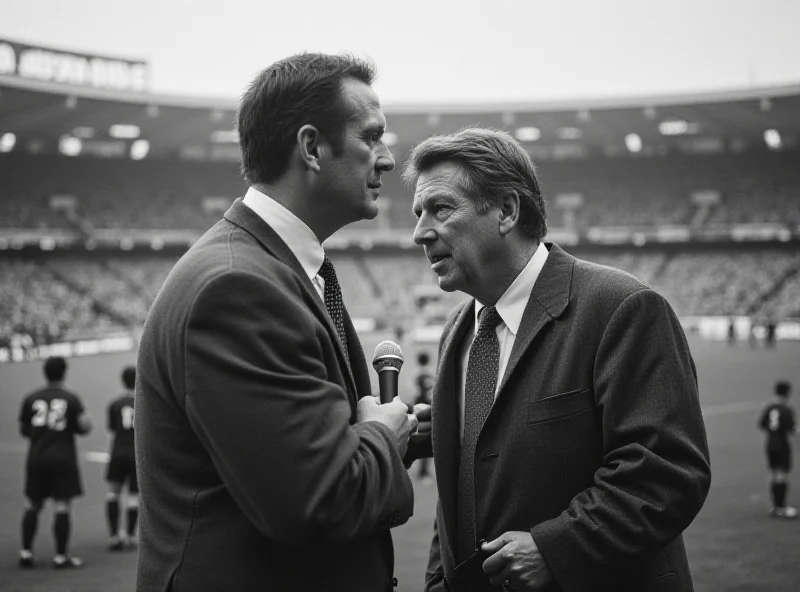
x=434, y=573
x=277, y=429
x=655, y=474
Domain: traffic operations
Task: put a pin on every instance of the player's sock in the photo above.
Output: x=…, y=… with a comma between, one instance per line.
x=61, y=529
x=30, y=522
x=133, y=517
x=112, y=515
x=779, y=494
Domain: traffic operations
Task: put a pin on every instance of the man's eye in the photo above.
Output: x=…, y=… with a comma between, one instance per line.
x=439, y=208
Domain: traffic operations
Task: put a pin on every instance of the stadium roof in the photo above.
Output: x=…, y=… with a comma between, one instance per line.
x=40, y=113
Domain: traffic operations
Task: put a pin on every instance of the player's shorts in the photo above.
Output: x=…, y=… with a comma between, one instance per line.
x=122, y=469
x=780, y=458
x=48, y=479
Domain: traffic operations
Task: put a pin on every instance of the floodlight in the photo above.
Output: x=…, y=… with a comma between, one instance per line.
x=7, y=142
x=139, y=149
x=773, y=139
x=673, y=127
x=528, y=134
x=70, y=145
x=225, y=136
x=569, y=133
x=124, y=131
x=633, y=142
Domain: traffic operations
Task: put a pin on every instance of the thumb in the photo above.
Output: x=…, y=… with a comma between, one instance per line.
x=495, y=545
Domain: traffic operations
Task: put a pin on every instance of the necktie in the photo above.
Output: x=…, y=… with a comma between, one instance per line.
x=333, y=301
x=482, y=368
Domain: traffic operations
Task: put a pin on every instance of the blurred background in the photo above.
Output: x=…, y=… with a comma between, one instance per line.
x=666, y=135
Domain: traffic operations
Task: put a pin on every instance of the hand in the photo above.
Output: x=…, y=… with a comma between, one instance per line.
x=422, y=411
x=393, y=415
x=419, y=444
x=516, y=559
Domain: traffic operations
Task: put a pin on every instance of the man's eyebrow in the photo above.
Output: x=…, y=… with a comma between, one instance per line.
x=428, y=197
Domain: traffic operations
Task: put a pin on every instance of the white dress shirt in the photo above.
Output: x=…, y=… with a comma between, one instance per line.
x=510, y=307
x=300, y=239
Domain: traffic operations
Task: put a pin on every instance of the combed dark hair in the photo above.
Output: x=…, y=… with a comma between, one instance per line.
x=495, y=164
x=129, y=377
x=783, y=388
x=55, y=368
x=304, y=89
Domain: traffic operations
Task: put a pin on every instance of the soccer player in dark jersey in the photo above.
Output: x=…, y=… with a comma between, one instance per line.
x=778, y=422
x=50, y=417
x=424, y=387
x=121, y=466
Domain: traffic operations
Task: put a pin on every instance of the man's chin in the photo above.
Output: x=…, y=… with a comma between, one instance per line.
x=447, y=284
x=370, y=210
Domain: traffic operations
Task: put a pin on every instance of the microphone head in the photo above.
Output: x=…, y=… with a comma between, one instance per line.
x=388, y=356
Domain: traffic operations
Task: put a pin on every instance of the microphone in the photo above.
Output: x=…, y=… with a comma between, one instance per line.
x=387, y=363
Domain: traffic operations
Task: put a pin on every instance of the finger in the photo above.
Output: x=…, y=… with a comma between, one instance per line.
x=495, y=562
x=505, y=574
x=367, y=400
x=422, y=411
x=496, y=544
x=398, y=402
x=423, y=427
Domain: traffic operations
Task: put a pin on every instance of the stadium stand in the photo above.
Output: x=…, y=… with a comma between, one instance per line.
x=113, y=193
x=38, y=307
x=753, y=188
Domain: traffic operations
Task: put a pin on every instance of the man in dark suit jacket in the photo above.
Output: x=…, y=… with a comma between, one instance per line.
x=264, y=464
x=568, y=439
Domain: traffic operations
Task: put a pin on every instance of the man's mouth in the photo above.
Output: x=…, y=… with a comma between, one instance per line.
x=434, y=259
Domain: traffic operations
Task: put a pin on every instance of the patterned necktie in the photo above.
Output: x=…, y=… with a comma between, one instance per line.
x=333, y=301
x=482, y=369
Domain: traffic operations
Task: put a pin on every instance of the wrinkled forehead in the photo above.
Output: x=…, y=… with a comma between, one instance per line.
x=442, y=179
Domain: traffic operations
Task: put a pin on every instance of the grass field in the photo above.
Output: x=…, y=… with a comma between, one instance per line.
x=733, y=544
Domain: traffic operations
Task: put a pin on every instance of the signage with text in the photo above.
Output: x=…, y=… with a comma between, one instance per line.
x=64, y=67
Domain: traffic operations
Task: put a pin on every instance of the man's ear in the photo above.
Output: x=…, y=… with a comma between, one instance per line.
x=309, y=142
x=509, y=212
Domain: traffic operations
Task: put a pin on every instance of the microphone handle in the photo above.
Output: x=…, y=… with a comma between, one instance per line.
x=387, y=380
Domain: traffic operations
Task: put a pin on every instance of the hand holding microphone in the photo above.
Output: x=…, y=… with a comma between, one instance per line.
x=391, y=411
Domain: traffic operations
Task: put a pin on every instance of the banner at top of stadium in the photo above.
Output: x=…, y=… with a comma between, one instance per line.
x=65, y=67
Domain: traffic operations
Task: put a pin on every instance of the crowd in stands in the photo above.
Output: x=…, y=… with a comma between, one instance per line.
x=59, y=297
x=48, y=299
x=113, y=193
x=162, y=194
x=36, y=307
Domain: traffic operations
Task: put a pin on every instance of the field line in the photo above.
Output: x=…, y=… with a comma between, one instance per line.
x=731, y=408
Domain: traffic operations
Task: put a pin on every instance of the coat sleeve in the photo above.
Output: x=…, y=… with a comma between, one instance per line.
x=276, y=427
x=655, y=473
x=434, y=573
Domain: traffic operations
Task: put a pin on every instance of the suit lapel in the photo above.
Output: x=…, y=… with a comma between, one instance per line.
x=549, y=298
x=446, y=441
x=242, y=216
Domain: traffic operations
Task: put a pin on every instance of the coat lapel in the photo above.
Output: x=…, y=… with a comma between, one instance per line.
x=252, y=223
x=549, y=298
x=446, y=441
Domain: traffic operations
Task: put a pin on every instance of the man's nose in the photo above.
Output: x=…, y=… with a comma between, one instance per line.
x=423, y=233
x=385, y=161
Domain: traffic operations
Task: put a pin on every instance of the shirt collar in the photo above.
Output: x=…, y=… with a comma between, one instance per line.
x=300, y=239
x=511, y=305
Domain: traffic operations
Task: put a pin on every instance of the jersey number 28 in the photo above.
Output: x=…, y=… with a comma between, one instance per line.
x=53, y=415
